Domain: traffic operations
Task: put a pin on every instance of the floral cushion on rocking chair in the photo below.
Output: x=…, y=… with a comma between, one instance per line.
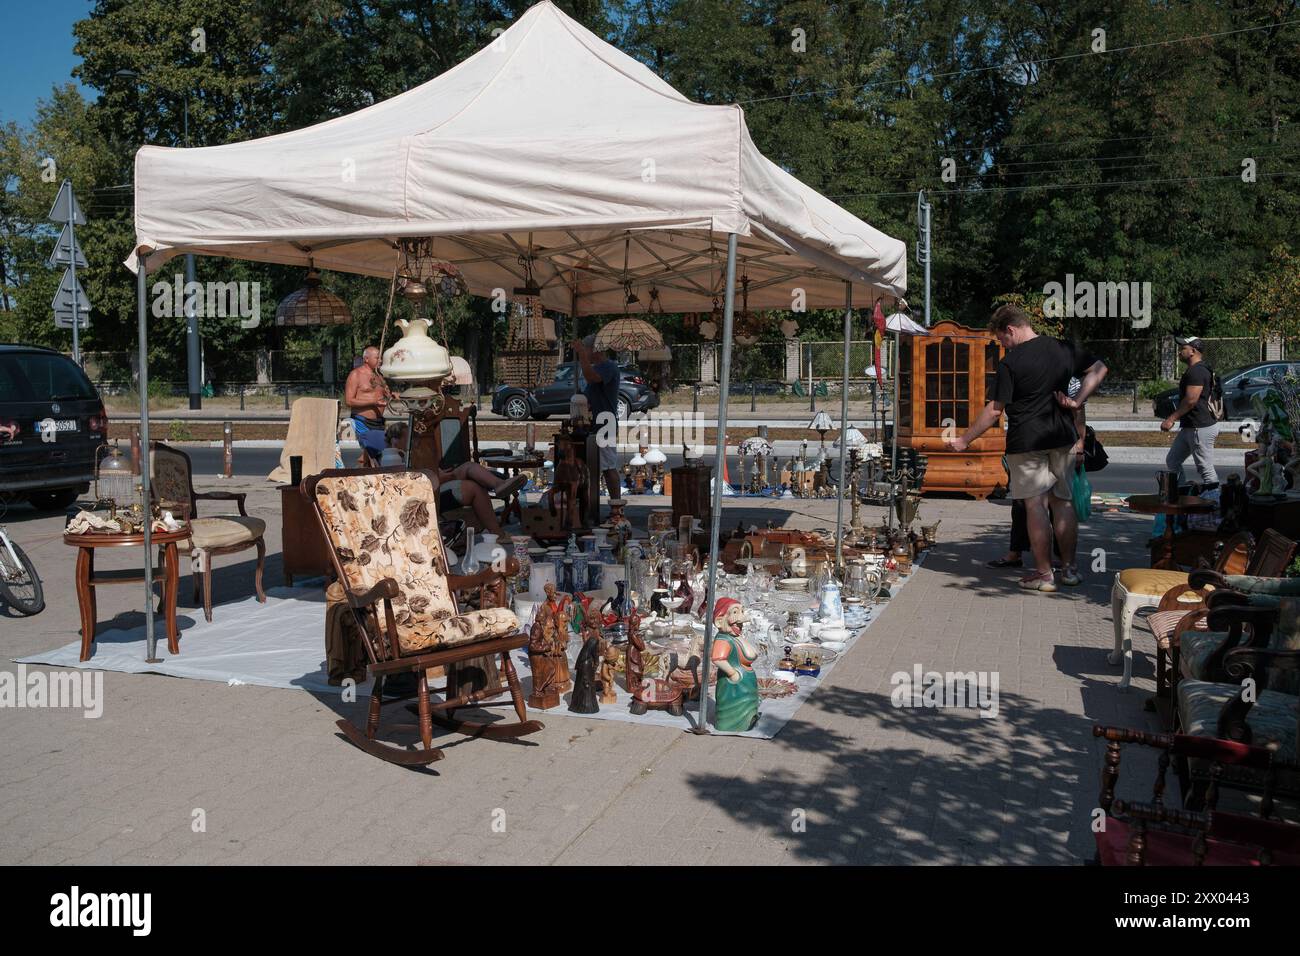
x=386, y=526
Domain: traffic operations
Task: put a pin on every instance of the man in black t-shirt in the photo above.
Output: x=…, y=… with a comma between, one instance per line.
x=1197, y=425
x=1043, y=444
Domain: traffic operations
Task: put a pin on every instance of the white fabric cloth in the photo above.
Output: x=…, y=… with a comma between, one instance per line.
x=550, y=131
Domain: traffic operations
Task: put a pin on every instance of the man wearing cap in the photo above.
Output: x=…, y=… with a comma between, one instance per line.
x=601, y=374
x=1198, y=426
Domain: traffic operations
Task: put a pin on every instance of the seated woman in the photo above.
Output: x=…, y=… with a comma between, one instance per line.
x=468, y=485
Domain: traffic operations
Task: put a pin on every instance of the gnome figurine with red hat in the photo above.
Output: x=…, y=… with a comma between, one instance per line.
x=737, y=690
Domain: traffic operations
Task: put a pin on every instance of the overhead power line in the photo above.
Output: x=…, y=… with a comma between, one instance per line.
x=1045, y=186
x=1024, y=63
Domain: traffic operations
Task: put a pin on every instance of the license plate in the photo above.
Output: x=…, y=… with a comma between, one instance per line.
x=62, y=425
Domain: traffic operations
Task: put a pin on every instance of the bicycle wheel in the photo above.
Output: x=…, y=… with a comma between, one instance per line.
x=20, y=588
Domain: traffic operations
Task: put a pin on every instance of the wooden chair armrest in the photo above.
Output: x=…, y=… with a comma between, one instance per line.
x=1226, y=597
x=236, y=496
x=1226, y=618
x=386, y=589
x=1188, y=623
x=1201, y=577
x=1240, y=662
x=465, y=582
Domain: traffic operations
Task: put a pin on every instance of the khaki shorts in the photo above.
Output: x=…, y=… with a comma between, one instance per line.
x=1035, y=473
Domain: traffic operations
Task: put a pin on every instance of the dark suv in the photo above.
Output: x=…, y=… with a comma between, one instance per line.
x=511, y=401
x=52, y=424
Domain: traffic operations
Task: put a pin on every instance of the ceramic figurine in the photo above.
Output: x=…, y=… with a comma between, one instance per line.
x=583, y=699
x=737, y=691
x=615, y=607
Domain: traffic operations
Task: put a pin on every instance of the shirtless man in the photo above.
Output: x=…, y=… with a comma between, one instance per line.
x=367, y=395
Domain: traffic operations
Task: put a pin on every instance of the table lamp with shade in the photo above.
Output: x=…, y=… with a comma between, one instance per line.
x=821, y=424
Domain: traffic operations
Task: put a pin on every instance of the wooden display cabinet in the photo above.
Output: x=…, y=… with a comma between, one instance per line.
x=944, y=381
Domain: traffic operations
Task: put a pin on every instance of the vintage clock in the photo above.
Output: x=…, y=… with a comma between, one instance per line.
x=944, y=380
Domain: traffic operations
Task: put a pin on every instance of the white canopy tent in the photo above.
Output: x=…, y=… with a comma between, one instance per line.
x=547, y=151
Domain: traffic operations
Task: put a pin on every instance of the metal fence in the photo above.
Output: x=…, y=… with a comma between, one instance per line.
x=1131, y=361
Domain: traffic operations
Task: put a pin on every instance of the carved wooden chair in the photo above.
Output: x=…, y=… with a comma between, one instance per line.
x=382, y=525
x=1152, y=834
x=172, y=486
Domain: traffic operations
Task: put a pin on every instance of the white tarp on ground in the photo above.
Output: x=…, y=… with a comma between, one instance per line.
x=549, y=133
x=282, y=644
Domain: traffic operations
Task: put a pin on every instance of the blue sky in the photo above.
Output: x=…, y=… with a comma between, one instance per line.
x=35, y=52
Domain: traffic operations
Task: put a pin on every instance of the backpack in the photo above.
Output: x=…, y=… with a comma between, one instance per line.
x=1215, y=400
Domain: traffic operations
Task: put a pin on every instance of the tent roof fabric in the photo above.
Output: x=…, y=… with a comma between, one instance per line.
x=547, y=143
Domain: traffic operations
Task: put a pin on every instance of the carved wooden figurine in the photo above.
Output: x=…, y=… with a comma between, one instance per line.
x=541, y=642
x=561, y=608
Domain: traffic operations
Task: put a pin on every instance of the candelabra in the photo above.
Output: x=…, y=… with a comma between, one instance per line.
x=909, y=474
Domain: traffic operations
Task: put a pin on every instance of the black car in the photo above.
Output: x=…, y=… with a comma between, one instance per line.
x=514, y=402
x=1240, y=385
x=52, y=424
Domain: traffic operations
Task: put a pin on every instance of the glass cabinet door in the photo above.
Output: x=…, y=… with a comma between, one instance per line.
x=905, y=383
x=947, y=384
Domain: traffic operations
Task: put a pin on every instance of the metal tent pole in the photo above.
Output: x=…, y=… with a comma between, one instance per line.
x=844, y=426
x=898, y=357
x=719, y=463
x=142, y=341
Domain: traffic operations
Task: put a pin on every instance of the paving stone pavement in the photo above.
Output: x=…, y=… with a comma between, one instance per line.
x=852, y=779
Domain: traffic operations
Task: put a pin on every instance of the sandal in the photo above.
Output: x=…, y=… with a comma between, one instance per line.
x=1069, y=576
x=1005, y=563
x=1039, y=582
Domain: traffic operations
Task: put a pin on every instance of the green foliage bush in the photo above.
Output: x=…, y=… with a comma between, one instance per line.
x=1154, y=387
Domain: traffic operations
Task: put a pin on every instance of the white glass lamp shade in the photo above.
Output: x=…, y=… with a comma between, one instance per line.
x=637, y=461
x=852, y=438
x=821, y=423
x=415, y=357
x=655, y=457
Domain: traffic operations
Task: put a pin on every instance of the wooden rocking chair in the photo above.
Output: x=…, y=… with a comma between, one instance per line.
x=386, y=550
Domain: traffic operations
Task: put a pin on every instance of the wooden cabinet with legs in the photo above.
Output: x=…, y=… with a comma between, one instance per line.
x=944, y=380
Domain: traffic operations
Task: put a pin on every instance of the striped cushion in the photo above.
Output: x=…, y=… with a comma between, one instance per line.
x=1163, y=623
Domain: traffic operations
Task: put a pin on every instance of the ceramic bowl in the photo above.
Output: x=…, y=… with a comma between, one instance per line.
x=838, y=634
x=835, y=646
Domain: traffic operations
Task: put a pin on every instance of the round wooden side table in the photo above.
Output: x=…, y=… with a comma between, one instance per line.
x=1156, y=505
x=88, y=580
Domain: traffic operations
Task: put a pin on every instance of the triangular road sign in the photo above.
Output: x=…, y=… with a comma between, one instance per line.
x=65, y=251
x=63, y=298
x=65, y=208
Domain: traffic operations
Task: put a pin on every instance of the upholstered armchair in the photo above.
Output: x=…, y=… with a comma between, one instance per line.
x=388, y=554
x=1254, y=701
x=1138, y=588
x=172, y=485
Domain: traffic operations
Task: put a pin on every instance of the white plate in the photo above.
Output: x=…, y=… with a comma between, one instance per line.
x=835, y=646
